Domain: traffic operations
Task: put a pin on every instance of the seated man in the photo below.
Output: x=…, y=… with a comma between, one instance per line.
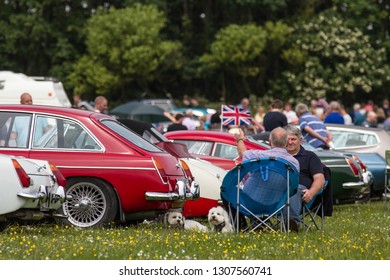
x=278, y=143
x=311, y=173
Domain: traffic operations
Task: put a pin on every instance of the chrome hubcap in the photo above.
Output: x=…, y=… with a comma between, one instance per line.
x=87, y=206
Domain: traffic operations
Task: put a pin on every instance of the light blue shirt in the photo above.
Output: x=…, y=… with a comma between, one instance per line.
x=314, y=123
x=274, y=152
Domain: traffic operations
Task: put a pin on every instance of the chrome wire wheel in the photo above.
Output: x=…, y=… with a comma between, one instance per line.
x=93, y=203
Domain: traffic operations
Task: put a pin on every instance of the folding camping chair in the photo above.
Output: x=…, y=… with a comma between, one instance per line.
x=386, y=194
x=260, y=189
x=320, y=206
x=308, y=211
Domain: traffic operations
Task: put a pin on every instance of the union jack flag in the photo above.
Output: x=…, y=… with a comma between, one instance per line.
x=231, y=115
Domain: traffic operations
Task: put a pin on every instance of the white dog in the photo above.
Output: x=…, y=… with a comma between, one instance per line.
x=219, y=220
x=176, y=219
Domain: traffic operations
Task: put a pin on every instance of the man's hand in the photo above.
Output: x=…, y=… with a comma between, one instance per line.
x=306, y=195
x=239, y=135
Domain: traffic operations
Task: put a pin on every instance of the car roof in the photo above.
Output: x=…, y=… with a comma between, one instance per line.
x=353, y=127
x=207, y=135
x=67, y=112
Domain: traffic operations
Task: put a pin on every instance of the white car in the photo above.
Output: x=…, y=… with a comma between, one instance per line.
x=30, y=189
x=360, y=139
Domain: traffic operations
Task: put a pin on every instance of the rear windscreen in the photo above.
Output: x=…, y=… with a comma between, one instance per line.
x=129, y=135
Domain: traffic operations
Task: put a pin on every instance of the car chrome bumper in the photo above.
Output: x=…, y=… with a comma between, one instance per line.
x=354, y=185
x=182, y=193
x=368, y=178
x=46, y=194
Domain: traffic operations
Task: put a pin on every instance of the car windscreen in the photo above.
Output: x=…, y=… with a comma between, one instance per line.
x=130, y=135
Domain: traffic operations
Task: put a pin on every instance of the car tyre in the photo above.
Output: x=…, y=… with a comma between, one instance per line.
x=93, y=203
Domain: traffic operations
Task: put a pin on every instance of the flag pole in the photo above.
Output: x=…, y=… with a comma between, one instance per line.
x=221, y=116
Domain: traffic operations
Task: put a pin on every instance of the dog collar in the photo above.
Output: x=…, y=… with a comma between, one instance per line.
x=220, y=227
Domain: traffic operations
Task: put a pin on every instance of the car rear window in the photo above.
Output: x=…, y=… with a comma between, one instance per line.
x=130, y=135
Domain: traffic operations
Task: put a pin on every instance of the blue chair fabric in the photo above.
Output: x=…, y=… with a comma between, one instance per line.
x=264, y=192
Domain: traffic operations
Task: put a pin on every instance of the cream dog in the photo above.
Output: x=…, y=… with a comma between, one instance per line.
x=219, y=220
x=176, y=220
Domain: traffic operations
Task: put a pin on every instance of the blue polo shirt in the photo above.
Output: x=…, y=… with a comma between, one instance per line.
x=314, y=123
x=334, y=117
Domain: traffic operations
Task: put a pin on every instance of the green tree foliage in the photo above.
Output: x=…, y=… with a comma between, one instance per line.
x=244, y=53
x=372, y=17
x=123, y=47
x=44, y=37
x=326, y=58
x=213, y=49
x=237, y=46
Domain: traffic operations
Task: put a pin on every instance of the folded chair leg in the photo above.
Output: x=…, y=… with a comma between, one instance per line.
x=232, y=218
x=312, y=215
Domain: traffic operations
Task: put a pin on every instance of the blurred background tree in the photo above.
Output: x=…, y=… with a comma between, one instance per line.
x=125, y=52
x=326, y=58
x=218, y=50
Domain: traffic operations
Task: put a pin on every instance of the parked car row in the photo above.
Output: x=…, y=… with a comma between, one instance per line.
x=348, y=181
x=112, y=173
x=369, y=144
x=88, y=169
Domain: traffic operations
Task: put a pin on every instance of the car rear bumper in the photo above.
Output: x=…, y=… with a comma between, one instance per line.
x=47, y=198
x=182, y=193
x=366, y=180
x=354, y=185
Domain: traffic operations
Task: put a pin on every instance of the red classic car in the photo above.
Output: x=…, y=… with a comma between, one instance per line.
x=112, y=173
x=213, y=145
x=347, y=180
x=207, y=175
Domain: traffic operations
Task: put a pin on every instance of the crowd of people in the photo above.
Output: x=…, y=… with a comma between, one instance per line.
x=279, y=114
x=368, y=114
x=317, y=114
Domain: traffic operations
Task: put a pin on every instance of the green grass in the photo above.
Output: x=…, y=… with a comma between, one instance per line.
x=357, y=231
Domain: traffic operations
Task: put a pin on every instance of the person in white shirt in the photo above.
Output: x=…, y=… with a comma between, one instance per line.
x=290, y=114
x=189, y=120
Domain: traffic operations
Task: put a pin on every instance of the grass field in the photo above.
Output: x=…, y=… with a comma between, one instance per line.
x=355, y=232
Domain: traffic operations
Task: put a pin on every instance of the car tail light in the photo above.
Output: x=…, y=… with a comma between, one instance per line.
x=57, y=173
x=23, y=177
x=160, y=170
x=353, y=167
x=187, y=170
x=362, y=165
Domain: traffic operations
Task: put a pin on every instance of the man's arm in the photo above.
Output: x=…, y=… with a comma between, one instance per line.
x=312, y=132
x=330, y=136
x=316, y=186
x=170, y=117
x=241, y=148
